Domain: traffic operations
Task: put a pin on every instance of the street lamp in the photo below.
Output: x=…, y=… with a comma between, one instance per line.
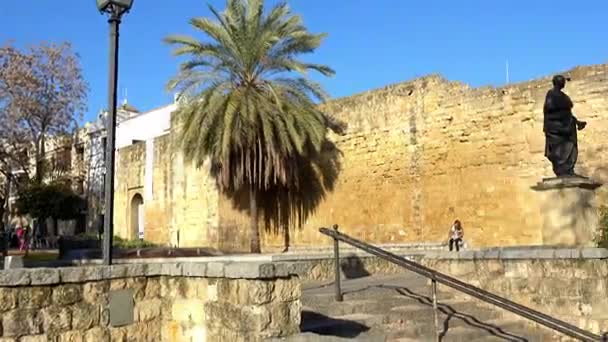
x=115, y=9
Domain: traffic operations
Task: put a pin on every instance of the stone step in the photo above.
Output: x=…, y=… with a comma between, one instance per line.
x=326, y=298
x=403, y=309
x=312, y=337
x=498, y=330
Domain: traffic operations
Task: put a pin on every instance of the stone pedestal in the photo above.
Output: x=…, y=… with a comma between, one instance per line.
x=569, y=210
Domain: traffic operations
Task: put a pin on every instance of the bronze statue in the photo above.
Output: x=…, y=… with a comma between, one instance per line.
x=560, y=127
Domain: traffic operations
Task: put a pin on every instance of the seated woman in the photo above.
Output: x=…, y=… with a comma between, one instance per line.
x=456, y=235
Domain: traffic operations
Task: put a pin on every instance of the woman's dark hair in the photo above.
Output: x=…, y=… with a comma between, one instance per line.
x=458, y=224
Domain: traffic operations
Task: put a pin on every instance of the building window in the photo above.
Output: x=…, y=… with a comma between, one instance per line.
x=104, y=141
x=80, y=152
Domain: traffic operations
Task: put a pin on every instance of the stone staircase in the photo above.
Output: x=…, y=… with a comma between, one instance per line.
x=399, y=308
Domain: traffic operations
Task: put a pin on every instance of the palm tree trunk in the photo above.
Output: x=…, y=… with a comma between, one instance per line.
x=254, y=232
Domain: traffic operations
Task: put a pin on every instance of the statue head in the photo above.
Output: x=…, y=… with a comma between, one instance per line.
x=559, y=81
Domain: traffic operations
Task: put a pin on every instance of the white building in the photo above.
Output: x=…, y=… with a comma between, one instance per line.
x=132, y=127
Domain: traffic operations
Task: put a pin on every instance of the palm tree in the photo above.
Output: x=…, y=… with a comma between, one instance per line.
x=250, y=107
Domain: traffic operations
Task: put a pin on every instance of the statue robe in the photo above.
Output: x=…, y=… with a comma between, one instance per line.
x=561, y=146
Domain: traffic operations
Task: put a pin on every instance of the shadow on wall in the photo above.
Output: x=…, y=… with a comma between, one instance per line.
x=353, y=268
x=283, y=209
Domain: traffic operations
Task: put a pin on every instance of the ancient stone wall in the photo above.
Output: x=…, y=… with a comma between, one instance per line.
x=158, y=203
x=129, y=181
x=567, y=284
x=171, y=302
x=421, y=154
x=195, y=200
x=417, y=156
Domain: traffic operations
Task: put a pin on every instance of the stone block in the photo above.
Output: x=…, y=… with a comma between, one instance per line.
x=194, y=269
x=97, y=334
x=44, y=276
x=148, y=310
x=466, y=255
x=72, y=274
x=153, y=288
x=118, y=271
x=567, y=253
x=67, y=294
x=462, y=269
x=96, y=292
x=188, y=311
x=286, y=290
x=513, y=254
x=517, y=269
x=21, y=322
x=585, y=269
x=138, y=285
x=247, y=270
x=215, y=270
x=56, y=319
x=284, y=320
x=17, y=277
x=543, y=254
x=155, y=269
x=96, y=273
x=8, y=299
x=570, y=218
x=594, y=253
x=172, y=287
x=34, y=297
x=120, y=335
x=243, y=320
x=85, y=316
x=35, y=338
x=244, y=291
x=491, y=254
x=118, y=284
x=71, y=336
x=172, y=269
x=137, y=270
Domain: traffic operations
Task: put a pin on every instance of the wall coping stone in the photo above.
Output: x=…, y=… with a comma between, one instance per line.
x=230, y=270
x=519, y=254
x=559, y=183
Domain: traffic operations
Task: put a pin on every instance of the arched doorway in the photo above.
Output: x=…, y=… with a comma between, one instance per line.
x=137, y=216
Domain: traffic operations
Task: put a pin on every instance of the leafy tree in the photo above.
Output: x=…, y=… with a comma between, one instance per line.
x=250, y=110
x=55, y=200
x=42, y=94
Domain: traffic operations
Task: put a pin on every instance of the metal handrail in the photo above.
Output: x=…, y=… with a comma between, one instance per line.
x=473, y=291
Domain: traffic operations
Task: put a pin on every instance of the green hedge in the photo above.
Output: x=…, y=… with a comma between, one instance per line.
x=125, y=244
x=118, y=242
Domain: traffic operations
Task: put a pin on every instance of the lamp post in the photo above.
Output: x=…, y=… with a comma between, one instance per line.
x=115, y=9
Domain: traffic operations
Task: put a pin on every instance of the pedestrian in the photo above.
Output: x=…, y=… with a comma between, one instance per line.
x=456, y=235
x=21, y=236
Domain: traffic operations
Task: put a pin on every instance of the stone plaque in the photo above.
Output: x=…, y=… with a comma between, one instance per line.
x=121, y=307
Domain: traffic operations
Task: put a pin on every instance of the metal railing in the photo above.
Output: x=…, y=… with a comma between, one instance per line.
x=473, y=291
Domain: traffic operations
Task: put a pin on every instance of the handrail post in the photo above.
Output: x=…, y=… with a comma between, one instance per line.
x=339, y=297
x=434, y=290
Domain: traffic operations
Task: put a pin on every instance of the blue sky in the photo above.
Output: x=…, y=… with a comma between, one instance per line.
x=370, y=43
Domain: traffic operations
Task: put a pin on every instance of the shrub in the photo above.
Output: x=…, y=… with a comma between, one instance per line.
x=125, y=244
x=117, y=242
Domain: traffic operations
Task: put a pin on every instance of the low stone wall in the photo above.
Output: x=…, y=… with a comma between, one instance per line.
x=569, y=284
x=170, y=302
